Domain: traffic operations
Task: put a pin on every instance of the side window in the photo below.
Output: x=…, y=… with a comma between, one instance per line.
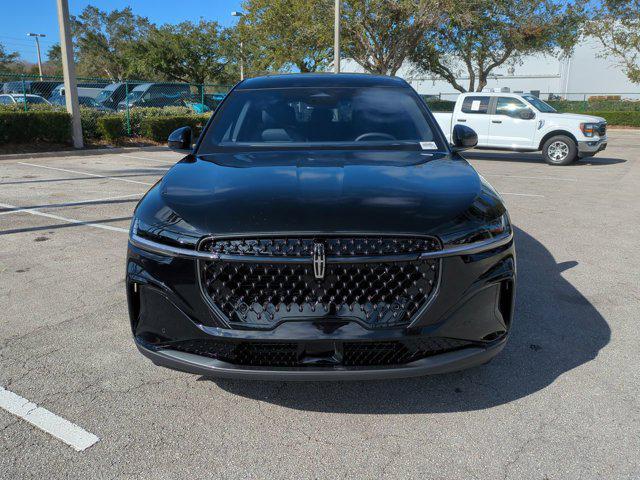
x=475, y=105
x=4, y=100
x=511, y=107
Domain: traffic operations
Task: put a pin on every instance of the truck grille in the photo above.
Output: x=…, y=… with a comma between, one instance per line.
x=602, y=129
x=376, y=291
x=293, y=354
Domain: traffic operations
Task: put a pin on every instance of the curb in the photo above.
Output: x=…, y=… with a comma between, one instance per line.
x=80, y=153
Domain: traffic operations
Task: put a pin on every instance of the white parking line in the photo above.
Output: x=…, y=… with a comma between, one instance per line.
x=562, y=179
x=86, y=173
x=521, y=194
x=168, y=162
x=33, y=211
x=70, y=433
x=77, y=203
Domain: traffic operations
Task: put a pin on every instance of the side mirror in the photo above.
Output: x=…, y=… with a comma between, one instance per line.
x=180, y=139
x=527, y=114
x=463, y=138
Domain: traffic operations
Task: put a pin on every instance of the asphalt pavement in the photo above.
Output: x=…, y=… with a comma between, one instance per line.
x=560, y=402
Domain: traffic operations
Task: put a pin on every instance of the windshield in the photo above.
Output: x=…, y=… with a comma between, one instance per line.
x=539, y=104
x=87, y=102
x=30, y=99
x=135, y=95
x=302, y=117
x=105, y=94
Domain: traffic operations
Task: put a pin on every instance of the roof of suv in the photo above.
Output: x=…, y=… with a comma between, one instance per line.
x=321, y=80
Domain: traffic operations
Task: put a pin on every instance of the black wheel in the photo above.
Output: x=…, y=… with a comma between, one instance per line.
x=560, y=150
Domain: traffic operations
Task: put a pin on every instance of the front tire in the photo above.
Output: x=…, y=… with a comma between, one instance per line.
x=560, y=150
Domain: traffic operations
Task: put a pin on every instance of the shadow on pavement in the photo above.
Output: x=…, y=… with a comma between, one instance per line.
x=555, y=330
x=535, y=157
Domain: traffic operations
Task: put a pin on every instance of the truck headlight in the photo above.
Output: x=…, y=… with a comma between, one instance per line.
x=588, y=129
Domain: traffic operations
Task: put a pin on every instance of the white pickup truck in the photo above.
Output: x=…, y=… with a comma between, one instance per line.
x=523, y=122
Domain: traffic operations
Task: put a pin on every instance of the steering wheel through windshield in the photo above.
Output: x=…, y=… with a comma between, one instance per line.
x=374, y=136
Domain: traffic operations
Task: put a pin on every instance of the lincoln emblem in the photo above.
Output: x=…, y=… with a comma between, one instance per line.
x=319, y=260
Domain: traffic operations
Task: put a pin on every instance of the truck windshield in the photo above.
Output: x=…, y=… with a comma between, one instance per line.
x=106, y=93
x=539, y=104
x=303, y=117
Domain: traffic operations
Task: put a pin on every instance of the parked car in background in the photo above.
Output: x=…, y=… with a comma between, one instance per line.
x=42, y=88
x=12, y=99
x=91, y=90
x=202, y=103
x=523, y=122
x=111, y=95
x=84, y=102
x=156, y=95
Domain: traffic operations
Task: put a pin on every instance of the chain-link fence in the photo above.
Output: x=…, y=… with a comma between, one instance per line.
x=113, y=110
x=130, y=100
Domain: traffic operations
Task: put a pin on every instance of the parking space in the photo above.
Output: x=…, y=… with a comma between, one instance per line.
x=561, y=401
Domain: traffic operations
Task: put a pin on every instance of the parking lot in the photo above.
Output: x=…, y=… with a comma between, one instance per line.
x=561, y=401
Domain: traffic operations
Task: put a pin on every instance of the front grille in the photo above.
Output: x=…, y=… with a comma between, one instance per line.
x=336, y=354
x=375, y=293
x=602, y=129
x=334, y=246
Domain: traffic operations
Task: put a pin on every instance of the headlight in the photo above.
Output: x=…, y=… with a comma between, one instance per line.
x=162, y=235
x=496, y=229
x=588, y=129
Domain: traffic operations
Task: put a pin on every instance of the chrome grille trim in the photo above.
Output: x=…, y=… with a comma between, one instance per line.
x=168, y=250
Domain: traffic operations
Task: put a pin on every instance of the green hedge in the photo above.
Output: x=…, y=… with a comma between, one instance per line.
x=440, y=105
x=35, y=125
x=570, y=106
x=622, y=119
x=159, y=128
x=111, y=128
x=89, y=118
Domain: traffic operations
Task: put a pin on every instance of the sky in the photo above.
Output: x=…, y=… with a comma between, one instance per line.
x=20, y=17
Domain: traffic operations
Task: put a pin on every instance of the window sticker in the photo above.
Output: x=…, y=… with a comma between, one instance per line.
x=475, y=105
x=428, y=145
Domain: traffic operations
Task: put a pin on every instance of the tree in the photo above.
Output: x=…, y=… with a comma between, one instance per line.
x=286, y=34
x=186, y=52
x=106, y=41
x=616, y=24
x=6, y=58
x=380, y=34
x=478, y=36
x=53, y=64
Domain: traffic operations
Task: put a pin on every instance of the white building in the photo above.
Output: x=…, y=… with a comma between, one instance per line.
x=577, y=77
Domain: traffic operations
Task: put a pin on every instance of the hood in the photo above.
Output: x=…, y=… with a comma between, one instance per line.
x=578, y=117
x=312, y=192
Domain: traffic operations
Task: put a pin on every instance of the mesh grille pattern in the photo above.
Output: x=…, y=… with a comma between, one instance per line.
x=377, y=294
x=351, y=354
x=335, y=246
x=602, y=129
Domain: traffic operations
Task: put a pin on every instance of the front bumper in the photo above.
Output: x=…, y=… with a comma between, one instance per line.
x=591, y=147
x=210, y=367
x=471, y=313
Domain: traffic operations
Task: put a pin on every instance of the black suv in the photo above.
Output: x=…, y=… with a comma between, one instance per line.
x=321, y=228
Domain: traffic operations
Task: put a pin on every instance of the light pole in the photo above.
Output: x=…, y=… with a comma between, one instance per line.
x=336, y=38
x=37, y=36
x=69, y=71
x=240, y=14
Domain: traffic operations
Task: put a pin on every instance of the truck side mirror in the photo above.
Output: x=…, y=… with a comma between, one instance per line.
x=527, y=114
x=180, y=140
x=463, y=138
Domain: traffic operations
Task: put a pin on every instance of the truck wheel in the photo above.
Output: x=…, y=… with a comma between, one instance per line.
x=560, y=150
